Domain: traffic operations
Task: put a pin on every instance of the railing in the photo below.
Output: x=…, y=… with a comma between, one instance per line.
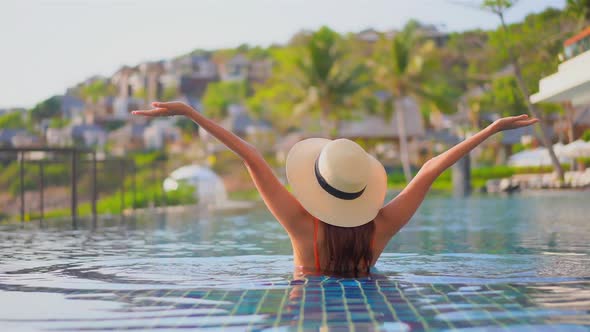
x=73, y=153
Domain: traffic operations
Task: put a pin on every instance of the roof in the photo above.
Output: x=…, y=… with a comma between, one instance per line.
x=370, y=35
x=238, y=59
x=582, y=117
x=444, y=135
x=69, y=101
x=373, y=126
x=581, y=35
x=78, y=130
x=6, y=135
x=192, y=101
x=514, y=136
x=191, y=86
x=130, y=130
x=240, y=123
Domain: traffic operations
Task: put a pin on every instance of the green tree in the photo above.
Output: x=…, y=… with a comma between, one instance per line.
x=46, y=109
x=140, y=93
x=170, y=93
x=579, y=9
x=113, y=125
x=12, y=120
x=499, y=8
x=219, y=95
x=503, y=97
x=275, y=99
x=406, y=68
x=96, y=90
x=328, y=79
x=58, y=123
x=187, y=126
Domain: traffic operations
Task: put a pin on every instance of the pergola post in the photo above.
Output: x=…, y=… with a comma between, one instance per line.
x=94, y=186
x=122, y=185
x=154, y=181
x=22, y=185
x=164, y=196
x=461, y=177
x=134, y=184
x=41, y=190
x=74, y=187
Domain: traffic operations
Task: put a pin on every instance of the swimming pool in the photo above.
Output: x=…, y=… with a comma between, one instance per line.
x=479, y=264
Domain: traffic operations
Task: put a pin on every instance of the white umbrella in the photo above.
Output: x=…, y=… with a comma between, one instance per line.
x=534, y=157
x=559, y=149
x=577, y=149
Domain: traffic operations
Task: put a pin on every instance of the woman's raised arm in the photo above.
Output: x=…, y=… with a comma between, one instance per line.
x=399, y=210
x=281, y=203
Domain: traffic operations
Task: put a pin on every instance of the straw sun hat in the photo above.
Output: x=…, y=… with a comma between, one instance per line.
x=336, y=181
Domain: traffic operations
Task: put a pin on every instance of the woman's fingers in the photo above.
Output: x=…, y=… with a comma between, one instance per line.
x=170, y=104
x=528, y=122
x=518, y=117
x=512, y=122
x=524, y=123
x=152, y=112
x=176, y=107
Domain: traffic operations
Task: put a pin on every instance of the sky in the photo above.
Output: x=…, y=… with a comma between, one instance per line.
x=49, y=45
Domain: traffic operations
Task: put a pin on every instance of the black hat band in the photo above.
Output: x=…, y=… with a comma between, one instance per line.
x=333, y=191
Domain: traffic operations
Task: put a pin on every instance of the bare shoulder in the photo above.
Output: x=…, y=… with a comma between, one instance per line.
x=301, y=228
x=388, y=222
x=301, y=234
x=383, y=227
x=382, y=235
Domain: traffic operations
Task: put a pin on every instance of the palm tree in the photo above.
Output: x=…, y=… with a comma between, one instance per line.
x=404, y=68
x=328, y=81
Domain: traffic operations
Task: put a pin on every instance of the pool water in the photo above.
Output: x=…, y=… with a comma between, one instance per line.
x=486, y=263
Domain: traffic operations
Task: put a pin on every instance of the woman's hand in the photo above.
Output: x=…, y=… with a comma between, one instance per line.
x=513, y=122
x=166, y=109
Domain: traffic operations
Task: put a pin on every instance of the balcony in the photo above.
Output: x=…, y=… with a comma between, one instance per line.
x=571, y=83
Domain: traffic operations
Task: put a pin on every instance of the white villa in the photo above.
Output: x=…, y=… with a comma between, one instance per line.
x=571, y=83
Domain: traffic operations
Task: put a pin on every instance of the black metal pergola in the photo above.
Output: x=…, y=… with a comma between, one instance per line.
x=73, y=153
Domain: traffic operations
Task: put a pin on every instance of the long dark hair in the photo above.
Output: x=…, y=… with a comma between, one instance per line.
x=348, y=248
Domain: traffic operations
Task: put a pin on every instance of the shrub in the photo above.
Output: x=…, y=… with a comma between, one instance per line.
x=478, y=175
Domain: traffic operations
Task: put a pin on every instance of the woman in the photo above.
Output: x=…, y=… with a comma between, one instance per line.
x=335, y=217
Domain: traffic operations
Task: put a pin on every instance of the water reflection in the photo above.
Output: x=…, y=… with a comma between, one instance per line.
x=477, y=263
x=376, y=303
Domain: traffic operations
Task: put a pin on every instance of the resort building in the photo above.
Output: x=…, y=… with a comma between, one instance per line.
x=123, y=100
x=236, y=69
x=89, y=135
x=17, y=138
x=71, y=106
x=189, y=75
x=159, y=132
x=571, y=83
x=128, y=138
x=387, y=131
